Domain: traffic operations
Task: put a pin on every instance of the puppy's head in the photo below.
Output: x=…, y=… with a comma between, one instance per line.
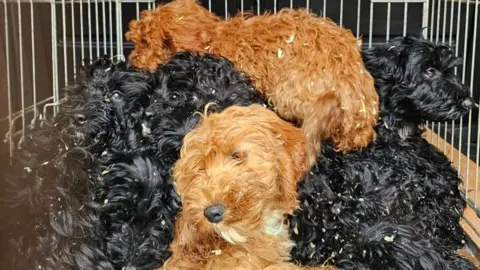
x=416, y=80
x=236, y=168
x=173, y=27
x=189, y=81
x=95, y=105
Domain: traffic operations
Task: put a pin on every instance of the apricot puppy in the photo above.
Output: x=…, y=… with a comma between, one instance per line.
x=237, y=178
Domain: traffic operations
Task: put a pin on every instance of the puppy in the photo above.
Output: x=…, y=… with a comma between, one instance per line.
x=396, y=204
x=308, y=67
x=237, y=177
x=103, y=106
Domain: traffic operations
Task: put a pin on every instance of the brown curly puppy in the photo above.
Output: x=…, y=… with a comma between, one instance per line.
x=237, y=177
x=310, y=69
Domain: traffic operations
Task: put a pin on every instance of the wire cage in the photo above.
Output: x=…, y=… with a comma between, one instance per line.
x=43, y=42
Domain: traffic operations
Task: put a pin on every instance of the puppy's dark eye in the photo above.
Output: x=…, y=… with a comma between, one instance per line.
x=176, y=97
x=116, y=95
x=430, y=72
x=237, y=155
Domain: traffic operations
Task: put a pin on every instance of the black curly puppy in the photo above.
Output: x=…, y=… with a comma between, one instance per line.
x=396, y=204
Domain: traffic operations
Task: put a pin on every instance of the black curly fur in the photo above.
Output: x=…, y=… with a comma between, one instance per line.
x=98, y=192
x=396, y=204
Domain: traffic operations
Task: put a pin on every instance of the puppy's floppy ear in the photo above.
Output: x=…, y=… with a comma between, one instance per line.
x=290, y=154
x=386, y=62
x=292, y=158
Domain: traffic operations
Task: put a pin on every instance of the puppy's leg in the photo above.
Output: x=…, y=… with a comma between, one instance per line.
x=292, y=266
x=320, y=123
x=354, y=136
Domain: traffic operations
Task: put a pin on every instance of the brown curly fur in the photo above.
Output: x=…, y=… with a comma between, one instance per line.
x=248, y=160
x=309, y=68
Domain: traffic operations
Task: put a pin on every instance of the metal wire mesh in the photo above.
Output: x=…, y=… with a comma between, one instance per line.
x=44, y=41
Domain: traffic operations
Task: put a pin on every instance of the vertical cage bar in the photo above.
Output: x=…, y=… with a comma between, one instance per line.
x=274, y=6
x=117, y=12
x=432, y=19
x=324, y=8
x=341, y=13
x=34, y=88
x=450, y=40
x=359, y=4
x=74, y=49
x=291, y=3
x=464, y=72
x=389, y=17
x=426, y=8
x=370, y=26
x=475, y=25
x=119, y=21
x=258, y=7
x=226, y=9
x=110, y=25
x=444, y=28
x=452, y=8
x=97, y=29
x=64, y=39
x=465, y=41
x=20, y=48
x=460, y=135
x=444, y=32
x=405, y=19
x=242, y=7
x=210, y=5
x=89, y=8
x=104, y=24
x=137, y=7
x=432, y=29
x=458, y=31
x=82, y=41
x=7, y=58
x=439, y=12
x=54, y=57
x=308, y=5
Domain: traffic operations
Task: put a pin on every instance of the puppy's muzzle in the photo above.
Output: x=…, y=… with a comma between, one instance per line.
x=214, y=213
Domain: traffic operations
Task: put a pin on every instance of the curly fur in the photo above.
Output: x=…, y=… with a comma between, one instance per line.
x=248, y=161
x=309, y=68
x=104, y=105
x=396, y=204
x=96, y=185
x=48, y=184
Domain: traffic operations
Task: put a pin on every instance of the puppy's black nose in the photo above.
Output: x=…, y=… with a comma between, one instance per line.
x=79, y=118
x=214, y=213
x=149, y=115
x=468, y=103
